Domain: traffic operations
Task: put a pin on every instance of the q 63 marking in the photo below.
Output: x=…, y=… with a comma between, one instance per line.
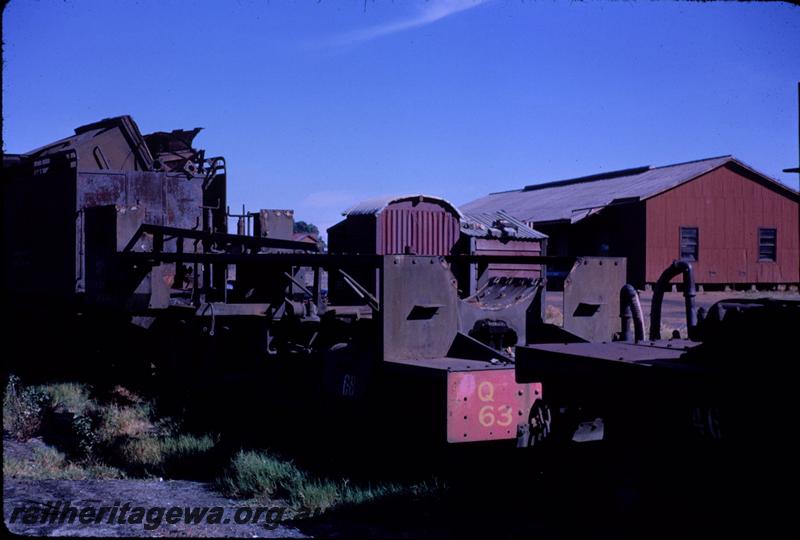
x=486, y=416
x=487, y=405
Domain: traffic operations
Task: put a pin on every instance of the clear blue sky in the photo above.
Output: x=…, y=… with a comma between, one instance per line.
x=319, y=103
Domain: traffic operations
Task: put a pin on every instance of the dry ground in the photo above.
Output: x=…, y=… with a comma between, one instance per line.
x=144, y=493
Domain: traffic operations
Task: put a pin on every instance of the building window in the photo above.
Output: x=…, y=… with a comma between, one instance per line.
x=767, y=245
x=690, y=244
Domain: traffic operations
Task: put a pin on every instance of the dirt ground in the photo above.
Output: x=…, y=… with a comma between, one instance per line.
x=18, y=493
x=144, y=493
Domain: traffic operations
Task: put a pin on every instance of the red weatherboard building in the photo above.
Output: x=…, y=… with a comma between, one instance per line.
x=738, y=226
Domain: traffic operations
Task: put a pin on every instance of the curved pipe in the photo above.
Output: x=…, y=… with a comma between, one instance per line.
x=630, y=308
x=677, y=267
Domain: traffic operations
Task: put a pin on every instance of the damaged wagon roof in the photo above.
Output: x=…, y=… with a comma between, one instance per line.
x=492, y=224
x=117, y=144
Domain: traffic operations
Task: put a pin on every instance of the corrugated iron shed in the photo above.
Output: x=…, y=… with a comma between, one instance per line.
x=490, y=225
x=575, y=199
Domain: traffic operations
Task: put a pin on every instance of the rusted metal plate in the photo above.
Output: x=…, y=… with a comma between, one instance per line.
x=592, y=361
x=621, y=352
x=580, y=373
x=591, y=297
x=448, y=363
x=182, y=199
x=410, y=283
x=169, y=199
x=274, y=224
x=487, y=405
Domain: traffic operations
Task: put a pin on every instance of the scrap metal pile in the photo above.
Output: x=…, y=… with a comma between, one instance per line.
x=118, y=241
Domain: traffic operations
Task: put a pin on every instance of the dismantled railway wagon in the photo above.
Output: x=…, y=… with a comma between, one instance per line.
x=728, y=383
x=431, y=342
x=116, y=257
x=116, y=250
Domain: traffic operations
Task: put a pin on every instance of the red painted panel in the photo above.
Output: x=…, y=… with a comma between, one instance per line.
x=422, y=228
x=728, y=208
x=487, y=405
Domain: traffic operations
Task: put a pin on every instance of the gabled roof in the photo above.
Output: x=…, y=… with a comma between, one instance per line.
x=492, y=225
x=377, y=205
x=305, y=237
x=575, y=199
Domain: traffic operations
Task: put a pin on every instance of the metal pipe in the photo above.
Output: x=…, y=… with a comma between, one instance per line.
x=677, y=267
x=317, y=292
x=631, y=308
x=300, y=285
x=360, y=290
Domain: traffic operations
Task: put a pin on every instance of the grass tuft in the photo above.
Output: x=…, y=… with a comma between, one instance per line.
x=181, y=456
x=141, y=454
x=23, y=409
x=260, y=474
x=68, y=397
x=48, y=463
x=121, y=437
x=263, y=476
x=190, y=456
x=123, y=422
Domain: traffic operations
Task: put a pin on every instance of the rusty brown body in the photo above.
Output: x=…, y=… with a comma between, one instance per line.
x=109, y=231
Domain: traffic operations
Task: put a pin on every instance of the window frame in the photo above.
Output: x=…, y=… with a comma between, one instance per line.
x=774, y=245
x=696, y=243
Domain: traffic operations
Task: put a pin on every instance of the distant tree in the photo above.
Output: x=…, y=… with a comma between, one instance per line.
x=303, y=227
x=310, y=228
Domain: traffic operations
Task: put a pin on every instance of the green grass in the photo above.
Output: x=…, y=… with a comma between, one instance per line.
x=263, y=476
x=142, y=456
x=23, y=409
x=70, y=397
x=180, y=456
x=115, y=421
x=191, y=456
x=259, y=474
x=49, y=464
x=100, y=438
x=184, y=446
x=119, y=436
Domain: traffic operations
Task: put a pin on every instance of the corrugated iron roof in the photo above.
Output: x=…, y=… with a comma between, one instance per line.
x=376, y=205
x=578, y=198
x=490, y=225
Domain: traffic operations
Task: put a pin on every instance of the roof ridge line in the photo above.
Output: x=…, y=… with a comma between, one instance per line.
x=608, y=175
x=730, y=156
x=506, y=191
